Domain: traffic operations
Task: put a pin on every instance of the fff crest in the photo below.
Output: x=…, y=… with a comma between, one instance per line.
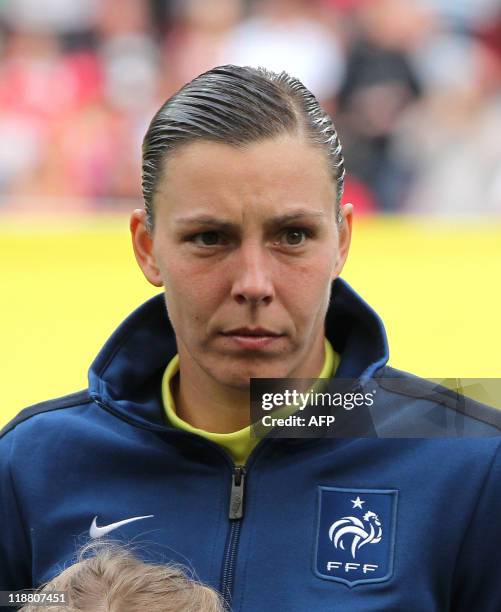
x=355, y=534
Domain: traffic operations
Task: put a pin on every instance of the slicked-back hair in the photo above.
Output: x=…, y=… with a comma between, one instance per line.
x=237, y=105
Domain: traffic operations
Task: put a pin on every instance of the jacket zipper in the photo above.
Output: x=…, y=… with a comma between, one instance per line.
x=235, y=514
x=235, y=511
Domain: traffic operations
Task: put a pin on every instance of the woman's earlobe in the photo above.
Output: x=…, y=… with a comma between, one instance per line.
x=142, y=243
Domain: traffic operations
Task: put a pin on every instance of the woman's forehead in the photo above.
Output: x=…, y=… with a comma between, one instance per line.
x=277, y=175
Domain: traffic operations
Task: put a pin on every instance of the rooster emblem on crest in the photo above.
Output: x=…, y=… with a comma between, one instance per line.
x=368, y=531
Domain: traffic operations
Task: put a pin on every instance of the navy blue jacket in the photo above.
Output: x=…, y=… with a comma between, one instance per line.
x=397, y=518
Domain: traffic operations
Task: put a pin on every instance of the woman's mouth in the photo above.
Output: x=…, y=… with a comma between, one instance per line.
x=252, y=338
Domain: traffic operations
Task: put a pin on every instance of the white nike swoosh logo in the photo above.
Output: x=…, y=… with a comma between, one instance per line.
x=99, y=532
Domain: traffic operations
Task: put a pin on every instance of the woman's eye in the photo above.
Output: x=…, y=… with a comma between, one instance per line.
x=294, y=237
x=206, y=239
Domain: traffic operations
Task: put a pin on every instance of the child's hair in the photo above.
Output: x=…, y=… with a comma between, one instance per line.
x=112, y=579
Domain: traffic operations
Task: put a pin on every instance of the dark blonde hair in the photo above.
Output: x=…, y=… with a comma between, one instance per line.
x=112, y=579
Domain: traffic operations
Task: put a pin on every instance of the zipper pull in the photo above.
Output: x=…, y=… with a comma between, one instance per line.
x=237, y=493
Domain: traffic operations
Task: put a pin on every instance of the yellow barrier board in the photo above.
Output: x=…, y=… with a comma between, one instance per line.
x=66, y=286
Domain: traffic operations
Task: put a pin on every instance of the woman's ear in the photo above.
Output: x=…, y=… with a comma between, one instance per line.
x=344, y=227
x=142, y=242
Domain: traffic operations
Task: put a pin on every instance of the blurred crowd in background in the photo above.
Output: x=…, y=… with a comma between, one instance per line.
x=414, y=87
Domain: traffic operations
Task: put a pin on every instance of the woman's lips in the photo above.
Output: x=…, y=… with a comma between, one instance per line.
x=252, y=342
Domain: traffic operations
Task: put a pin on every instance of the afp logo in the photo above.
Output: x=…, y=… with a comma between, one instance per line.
x=355, y=534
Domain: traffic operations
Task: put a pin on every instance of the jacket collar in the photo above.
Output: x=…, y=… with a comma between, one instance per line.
x=126, y=375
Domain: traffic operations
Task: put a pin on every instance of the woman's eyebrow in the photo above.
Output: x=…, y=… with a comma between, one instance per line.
x=295, y=216
x=207, y=220
x=218, y=222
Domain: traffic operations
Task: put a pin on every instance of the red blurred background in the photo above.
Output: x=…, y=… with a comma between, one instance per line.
x=413, y=85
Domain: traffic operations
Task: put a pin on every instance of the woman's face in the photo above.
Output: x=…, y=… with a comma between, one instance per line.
x=246, y=244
